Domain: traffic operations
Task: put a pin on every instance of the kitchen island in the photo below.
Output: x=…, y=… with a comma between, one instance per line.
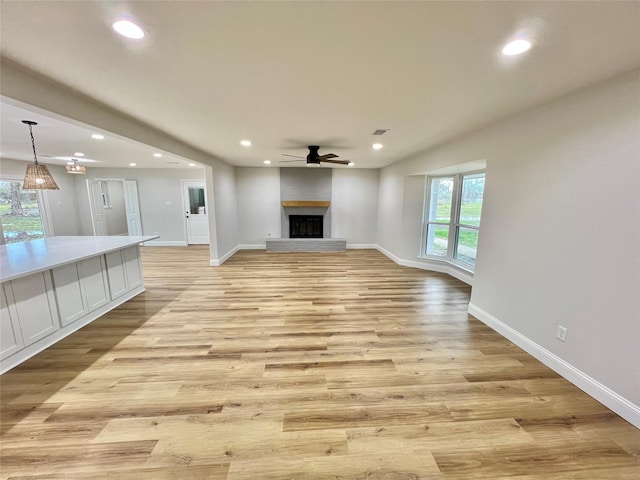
x=52, y=287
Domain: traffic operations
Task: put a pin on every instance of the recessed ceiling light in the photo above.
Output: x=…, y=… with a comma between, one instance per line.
x=267, y=162
x=78, y=154
x=376, y=146
x=516, y=47
x=157, y=155
x=192, y=164
x=132, y=164
x=128, y=29
x=97, y=136
x=245, y=143
x=351, y=164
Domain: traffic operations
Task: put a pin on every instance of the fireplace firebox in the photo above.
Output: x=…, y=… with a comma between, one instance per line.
x=305, y=226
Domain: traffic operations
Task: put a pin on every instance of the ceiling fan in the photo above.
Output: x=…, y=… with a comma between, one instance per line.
x=314, y=158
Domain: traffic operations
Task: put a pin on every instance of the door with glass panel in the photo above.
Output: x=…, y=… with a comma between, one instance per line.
x=196, y=211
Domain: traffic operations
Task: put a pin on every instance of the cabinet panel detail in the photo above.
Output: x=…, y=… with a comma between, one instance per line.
x=116, y=274
x=94, y=276
x=35, y=306
x=10, y=337
x=68, y=289
x=132, y=265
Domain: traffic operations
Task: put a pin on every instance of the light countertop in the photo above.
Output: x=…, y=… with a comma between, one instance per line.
x=24, y=258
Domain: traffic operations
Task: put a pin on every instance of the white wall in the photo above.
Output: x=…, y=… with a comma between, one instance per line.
x=354, y=205
x=224, y=226
x=258, y=192
x=62, y=204
x=560, y=234
x=159, y=195
x=21, y=84
x=560, y=239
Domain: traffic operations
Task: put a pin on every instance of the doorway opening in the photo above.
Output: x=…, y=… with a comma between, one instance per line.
x=114, y=205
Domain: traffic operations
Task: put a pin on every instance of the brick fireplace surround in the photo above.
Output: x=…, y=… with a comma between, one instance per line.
x=305, y=191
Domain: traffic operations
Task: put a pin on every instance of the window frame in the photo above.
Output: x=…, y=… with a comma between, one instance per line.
x=454, y=223
x=43, y=202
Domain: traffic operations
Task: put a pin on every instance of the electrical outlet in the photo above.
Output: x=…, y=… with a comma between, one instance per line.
x=561, y=333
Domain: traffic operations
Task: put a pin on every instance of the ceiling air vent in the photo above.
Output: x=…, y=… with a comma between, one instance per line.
x=380, y=131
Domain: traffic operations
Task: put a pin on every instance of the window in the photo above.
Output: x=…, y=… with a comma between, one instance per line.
x=20, y=212
x=452, y=218
x=439, y=219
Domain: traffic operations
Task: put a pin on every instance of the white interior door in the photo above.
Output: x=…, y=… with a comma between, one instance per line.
x=96, y=204
x=196, y=211
x=132, y=207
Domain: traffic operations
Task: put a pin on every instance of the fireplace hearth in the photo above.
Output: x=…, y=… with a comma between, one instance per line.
x=305, y=226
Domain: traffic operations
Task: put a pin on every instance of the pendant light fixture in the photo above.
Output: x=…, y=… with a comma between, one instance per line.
x=74, y=167
x=37, y=176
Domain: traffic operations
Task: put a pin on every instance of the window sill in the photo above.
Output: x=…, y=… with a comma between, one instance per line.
x=455, y=269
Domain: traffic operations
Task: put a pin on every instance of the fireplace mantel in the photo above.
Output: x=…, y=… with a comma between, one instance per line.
x=305, y=203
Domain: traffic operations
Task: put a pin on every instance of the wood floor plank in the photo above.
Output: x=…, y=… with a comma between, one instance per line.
x=521, y=460
x=348, y=417
x=299, y=366
x=198, y=472
x=70, y=458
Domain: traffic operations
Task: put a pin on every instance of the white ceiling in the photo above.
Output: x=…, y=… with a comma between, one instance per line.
x=58, y=139
x=288, y=74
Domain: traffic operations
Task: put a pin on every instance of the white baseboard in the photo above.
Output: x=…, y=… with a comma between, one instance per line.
x=389, y=254
x=363, y=246
x=216, y=262
x=623, y=407
x=441, y=267
x=164, y=243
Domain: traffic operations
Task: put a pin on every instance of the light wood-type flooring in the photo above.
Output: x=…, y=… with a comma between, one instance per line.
x=300, y=366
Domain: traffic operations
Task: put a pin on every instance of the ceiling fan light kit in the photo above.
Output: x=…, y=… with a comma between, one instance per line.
x=314, y=158
x=37, y=177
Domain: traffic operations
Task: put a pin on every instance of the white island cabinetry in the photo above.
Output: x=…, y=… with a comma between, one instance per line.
x=52, y=287
x=80, y=288
x=10, y=336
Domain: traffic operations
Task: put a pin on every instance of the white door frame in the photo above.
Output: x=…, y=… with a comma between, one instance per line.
x=131, y=204
x=96, y=209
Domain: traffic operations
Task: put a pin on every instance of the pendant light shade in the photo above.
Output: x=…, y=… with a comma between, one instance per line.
x=74, y=167
x=37, y=176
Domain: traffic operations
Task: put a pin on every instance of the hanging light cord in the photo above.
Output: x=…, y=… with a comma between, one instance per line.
x=33, y=144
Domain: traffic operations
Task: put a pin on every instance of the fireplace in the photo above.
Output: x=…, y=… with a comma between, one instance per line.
x=305, y=226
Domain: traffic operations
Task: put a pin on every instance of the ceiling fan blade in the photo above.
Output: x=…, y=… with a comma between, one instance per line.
x=289, y=161
x=339, y=162
x=296, y=156
x=327, y=156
